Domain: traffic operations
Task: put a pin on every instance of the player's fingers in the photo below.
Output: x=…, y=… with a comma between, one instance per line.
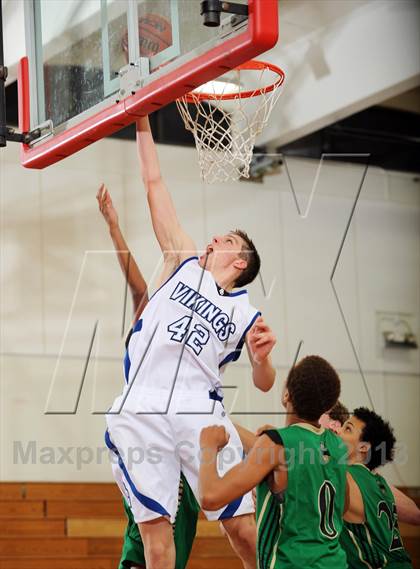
x=263, y=428
x=100, y=191
x=101, y=201
x=253, y=327
x=269, y=339
x=251, y=335
x=264, y=341
x=262, y=335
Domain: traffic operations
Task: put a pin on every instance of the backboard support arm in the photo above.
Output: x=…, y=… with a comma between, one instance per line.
x=8, y=133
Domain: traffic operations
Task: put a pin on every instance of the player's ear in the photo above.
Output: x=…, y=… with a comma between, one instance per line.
x=364, y=448
x=285, y=397
x=240, y=264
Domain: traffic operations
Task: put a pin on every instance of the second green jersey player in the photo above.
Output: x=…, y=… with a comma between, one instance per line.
x=371, y=536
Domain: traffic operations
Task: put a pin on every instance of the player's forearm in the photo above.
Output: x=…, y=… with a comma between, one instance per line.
x=208, y=479
x=407, y=510
x=263, y=374
x=129, y=267
x=148, y=156
x=248, y=438
x=168, y=231
x=215, y=492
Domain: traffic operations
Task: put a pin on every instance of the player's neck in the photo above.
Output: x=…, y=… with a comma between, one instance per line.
x=293, y=419
x=356, y=459
x=223, y=280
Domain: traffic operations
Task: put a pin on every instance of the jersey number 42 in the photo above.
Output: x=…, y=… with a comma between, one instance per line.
x=196, y=338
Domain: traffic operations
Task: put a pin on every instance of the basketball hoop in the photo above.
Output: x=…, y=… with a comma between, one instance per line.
x=225, y=118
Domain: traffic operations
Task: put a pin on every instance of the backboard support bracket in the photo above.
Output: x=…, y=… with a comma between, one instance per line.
x=132, y=77
x=9, y=133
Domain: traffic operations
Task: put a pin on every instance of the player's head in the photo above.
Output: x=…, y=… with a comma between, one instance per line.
x=335, y=418
x=234, y=253
x=312, y=388
x=369, y=438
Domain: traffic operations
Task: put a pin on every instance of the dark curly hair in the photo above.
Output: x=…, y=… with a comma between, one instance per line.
x=251, y=256
x=314, y=387
x=339, y=413
x=379, y=434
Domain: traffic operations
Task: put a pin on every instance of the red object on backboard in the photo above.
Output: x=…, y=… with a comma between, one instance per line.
x=260, y=35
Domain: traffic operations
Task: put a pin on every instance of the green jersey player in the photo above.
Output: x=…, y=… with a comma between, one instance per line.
x=299, y=471
x=371, y=536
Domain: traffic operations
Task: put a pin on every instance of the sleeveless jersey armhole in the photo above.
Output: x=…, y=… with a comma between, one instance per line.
x=274, y=435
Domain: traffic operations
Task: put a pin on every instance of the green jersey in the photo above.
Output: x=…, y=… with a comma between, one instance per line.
x=301, y=527
x=184, y=531
x=376, y=543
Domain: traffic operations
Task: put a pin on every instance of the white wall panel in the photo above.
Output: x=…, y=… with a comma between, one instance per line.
x=50, y=219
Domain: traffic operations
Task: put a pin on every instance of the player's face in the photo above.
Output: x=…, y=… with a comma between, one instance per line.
x=223, y=251
x=351, y=434
x=285, y=395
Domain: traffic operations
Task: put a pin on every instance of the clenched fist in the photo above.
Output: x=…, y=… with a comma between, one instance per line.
x=214, y=437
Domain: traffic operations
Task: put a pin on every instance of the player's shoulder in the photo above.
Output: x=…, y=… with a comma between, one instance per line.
x=176, y=266
x=187, y=262
x=242, y=307
x=335, y=442
x=273, y=434
x=366, y=479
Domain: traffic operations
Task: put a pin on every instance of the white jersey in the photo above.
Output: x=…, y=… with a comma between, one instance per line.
x=188, y=332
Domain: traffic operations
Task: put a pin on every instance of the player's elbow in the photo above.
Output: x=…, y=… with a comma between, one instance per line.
x=264, y=384
x=415, y=518
x=265, y=387
x=209, y=500
x=411, y=518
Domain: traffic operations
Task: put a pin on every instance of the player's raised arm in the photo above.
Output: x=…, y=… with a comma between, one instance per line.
x=129, y=267
x=216, y=492
x=173, y=240
x=260, y=340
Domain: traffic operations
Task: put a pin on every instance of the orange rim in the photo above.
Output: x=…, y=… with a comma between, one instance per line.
x=253, y=65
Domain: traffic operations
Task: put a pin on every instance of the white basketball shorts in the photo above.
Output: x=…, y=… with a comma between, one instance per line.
x=151, y=445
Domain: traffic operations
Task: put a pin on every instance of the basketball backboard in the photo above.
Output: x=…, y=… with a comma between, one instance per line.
x=93, y=66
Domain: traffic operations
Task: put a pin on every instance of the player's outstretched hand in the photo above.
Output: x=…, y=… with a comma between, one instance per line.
x=214, y=437
x=260, y=430
x=261, y=340
x=106, y=207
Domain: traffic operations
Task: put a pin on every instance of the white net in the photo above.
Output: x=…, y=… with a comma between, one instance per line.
x=225, y=119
